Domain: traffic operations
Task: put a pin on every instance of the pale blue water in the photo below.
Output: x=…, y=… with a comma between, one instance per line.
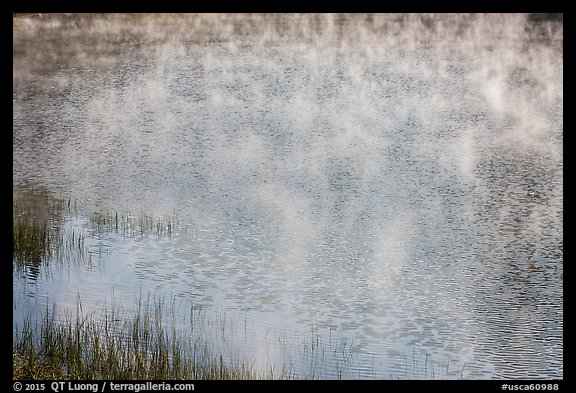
x=393, y=185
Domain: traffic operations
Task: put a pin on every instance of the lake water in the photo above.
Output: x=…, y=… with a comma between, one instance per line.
x=391, y=184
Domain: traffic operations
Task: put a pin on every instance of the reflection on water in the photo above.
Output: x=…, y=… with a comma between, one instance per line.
x=394, y=179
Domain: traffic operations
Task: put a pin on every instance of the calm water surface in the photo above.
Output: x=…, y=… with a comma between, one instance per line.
x=392, y=184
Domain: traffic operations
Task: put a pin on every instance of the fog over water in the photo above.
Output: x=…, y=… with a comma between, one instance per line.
x=392, y=180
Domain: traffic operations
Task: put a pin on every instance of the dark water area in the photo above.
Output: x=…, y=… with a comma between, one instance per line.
x=394, y=182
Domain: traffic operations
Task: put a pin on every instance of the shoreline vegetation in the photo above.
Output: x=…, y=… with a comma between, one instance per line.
x=57, y=343
x=152, y=341
x=146, y=345
x=161, y=341
x=114, y=345
x=41, y=234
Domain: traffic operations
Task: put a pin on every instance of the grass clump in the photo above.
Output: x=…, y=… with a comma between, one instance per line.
x=31, y=242
x=41, y=233
x=117, y=346
x=129, y=225
x=36, y=226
